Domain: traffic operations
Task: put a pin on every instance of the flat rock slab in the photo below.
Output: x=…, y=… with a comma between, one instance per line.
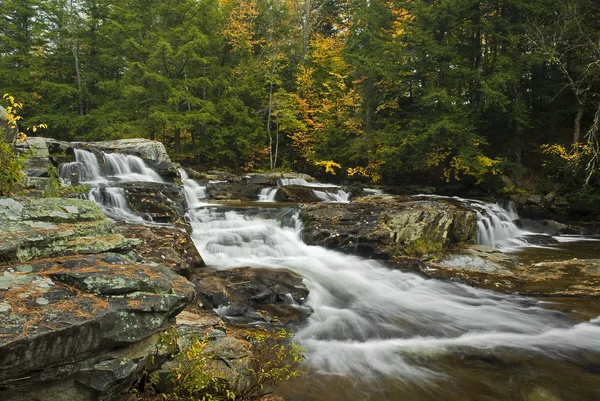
x=170, y=246
x=48, y=227
x=68, y=309
x=488, y=268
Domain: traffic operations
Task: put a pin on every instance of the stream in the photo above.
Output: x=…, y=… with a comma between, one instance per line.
x=378, y=333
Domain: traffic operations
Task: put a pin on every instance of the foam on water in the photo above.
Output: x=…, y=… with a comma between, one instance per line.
x=366, y=318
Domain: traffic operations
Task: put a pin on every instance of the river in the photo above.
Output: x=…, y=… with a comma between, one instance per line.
x=377, y=333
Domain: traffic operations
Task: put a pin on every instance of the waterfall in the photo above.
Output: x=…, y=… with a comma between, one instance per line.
x=90, y=168
x=113, y=203
x=495, y=222
x=334, y=197
x=339, y=196
x=496, y=227
x=192, y=190
x=128, y=168
x=267, y=195
x=373, y=322
x=98, y=177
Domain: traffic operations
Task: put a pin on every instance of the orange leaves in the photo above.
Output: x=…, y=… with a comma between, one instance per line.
x=240, y=31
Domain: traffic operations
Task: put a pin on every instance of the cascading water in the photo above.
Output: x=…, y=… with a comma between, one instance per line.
x=267, y=195
x=128, y=168
x=378, y=325
x=115, y=168
x=496, y=226
x=326, y=193
x=340, y=196
x=192, y=190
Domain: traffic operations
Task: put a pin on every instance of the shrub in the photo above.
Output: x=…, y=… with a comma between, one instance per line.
x=10, y=173
x=194, y=376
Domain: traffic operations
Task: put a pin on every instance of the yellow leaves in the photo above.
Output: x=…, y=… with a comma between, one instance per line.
x=239, y=30
x=437, y=156
x=329, y=165
x=477, y=168
x=12, y=117
x=372, y=171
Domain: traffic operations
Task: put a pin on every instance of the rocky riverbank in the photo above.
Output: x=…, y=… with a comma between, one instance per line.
x=85, y=300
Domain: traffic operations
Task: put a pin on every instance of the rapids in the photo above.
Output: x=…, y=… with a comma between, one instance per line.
x=377, y=333
x=375, y=324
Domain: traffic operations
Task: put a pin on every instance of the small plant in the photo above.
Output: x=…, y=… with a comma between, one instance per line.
x=274, y=359
x=195, y=376
x=10, y=173
x=54, y=186
x=422, y=246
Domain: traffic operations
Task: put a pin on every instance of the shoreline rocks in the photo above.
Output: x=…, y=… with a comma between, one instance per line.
x=384, y=226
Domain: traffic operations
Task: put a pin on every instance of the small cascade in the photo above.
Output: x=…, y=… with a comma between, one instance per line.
x=69, y=173
x=495, y=222
x=340, y=196
x=113, y=202
x=90, y=167
x=192, y=190
x=267, y=194
x=115, y=167
x=496, y=227
x=291, y=181
x=282, y=182
x=128, y=168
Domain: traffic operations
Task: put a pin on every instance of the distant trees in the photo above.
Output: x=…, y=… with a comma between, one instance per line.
x=395, y=90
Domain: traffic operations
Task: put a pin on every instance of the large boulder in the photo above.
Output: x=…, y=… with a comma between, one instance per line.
x=48, y=227
x=298, y=193
x=247, y=295
x=42, y=153
x=385, y=226
x=144, y=148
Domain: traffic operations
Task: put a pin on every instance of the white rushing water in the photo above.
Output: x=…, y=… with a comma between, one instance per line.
x=103, y=178
x=192, y=190
x=327, y=193
x=267, y=194
x=495, y=223
x=371, y=320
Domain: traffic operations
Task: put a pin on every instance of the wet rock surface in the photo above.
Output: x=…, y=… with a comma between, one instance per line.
x=489, y=268
x=382, y=226
x=247, y=295
x=161, y=202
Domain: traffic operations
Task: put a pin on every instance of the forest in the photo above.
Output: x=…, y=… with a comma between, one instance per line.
x=391, y=91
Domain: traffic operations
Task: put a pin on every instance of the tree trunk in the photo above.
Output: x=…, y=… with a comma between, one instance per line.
x=177, y=140
x=305, y=31
x=577, y=127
